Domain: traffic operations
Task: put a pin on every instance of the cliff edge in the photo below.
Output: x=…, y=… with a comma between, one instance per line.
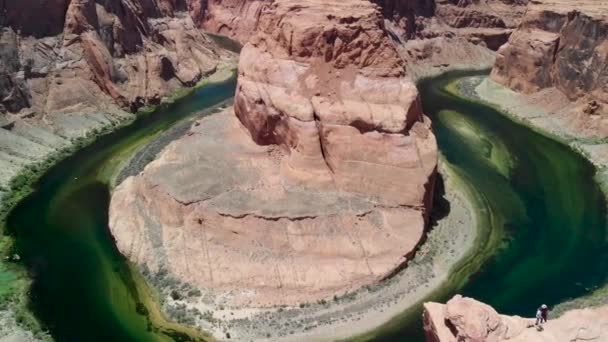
x=464, y=319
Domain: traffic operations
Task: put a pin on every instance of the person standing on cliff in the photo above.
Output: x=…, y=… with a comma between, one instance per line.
x=541, y=315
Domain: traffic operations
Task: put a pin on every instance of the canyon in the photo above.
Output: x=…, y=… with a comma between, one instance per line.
x=318, y=181
x=558, y=58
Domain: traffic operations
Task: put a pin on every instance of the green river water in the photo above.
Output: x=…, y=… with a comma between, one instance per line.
x=542, y=225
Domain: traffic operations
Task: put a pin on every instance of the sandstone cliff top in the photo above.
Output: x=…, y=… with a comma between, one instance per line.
x=593, y=8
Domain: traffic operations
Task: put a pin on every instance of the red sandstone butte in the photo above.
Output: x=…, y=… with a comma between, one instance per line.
x=320, y=184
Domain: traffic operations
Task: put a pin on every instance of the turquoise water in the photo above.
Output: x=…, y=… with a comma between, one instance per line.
x=542, y=239
x=542, y=214
x=83, y=289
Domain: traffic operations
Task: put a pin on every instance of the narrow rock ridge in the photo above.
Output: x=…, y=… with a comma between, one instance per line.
x=467, y=320
x=561, y=44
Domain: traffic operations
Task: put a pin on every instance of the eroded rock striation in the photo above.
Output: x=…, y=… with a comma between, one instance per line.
x=487, y=22
x=318, y=183
x=331, y=89
x=434, y=36
x=467, y=320
x=134, y=52
x=71, y=68
x=561, y=44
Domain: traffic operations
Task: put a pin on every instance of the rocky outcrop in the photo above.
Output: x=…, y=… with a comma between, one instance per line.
x=331, y=90
x=318, y=183
x=487, y=22
x=234, y=18
x=214, y=211
x=133, y=51
x=559, y=44
x=72, y=68
x=467, y=320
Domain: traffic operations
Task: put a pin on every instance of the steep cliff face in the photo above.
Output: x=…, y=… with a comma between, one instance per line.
x=407, y=15
x=467, y=320
x=487, y=22
x=134, y=51
x=72, y=68
x=561, y=44
x=318, y=183
x=331, y=90
x=234, y=18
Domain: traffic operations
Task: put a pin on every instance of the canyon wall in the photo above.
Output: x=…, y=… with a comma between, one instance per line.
x=487, y=22
x=318, y=183
x=560, y=44
x=467, y=320
x=71, y=68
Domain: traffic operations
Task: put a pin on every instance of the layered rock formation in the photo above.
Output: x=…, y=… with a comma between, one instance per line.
x=436, y=36
x=331, y=90
x=234, y=18
x=467, y=320
x=132, y=51
x=486, y=22
x=560, y=44
x=323, y=183
x=72, y=67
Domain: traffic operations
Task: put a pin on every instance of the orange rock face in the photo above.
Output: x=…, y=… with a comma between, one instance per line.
x=214, y=210
x=467, y=320
x=323, y=81
x=86, y=55
x=234, y=18
x=560, y=44
x=320, y=184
